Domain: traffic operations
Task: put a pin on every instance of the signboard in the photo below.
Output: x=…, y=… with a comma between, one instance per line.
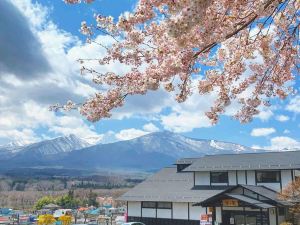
x=230, y=202
x=205, y=219
x=210, y=209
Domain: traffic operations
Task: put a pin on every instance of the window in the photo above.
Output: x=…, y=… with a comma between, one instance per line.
x=148, y=204
x=219, y=177
x=164, y=205
x=268, y=176
x=158, y=205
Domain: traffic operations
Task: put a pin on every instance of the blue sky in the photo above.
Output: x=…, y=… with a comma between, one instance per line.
x=50, y=74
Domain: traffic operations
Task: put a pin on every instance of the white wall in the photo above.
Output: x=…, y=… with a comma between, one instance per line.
x=286, y=177
x=232, y=177
x=148, y=212
x=241, y=177
x=196, y=211
x=180, y=210
x=272, y=214
x=218, y=214
x=202, y=178
x=164, y=213
x=134, y=209
x=251, y=177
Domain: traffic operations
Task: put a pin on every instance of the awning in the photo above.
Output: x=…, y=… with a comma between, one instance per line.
x=250, y=201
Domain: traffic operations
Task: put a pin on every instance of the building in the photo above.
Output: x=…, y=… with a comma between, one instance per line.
x=228, y=189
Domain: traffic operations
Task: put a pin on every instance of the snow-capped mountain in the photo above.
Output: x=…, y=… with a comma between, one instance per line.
x=57, y=148
x=180, y=146
x=149, y=152
x=10, y=149
x=60, y=144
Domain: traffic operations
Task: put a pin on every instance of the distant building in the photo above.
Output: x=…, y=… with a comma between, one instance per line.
x=233, y=189
x=106, y=201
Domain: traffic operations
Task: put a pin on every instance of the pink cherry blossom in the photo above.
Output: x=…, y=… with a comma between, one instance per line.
x=249, y=49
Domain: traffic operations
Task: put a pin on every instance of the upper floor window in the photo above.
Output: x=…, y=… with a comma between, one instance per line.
x=158, y=205
x=219, y=177
x=149, y=205
x=268, y=176
x=164, y=205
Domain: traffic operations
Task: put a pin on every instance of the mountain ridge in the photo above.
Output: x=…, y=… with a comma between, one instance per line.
x=147, y=153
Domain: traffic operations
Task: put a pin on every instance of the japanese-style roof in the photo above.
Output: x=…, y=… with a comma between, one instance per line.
x=266, y=198
x=248, y=161
x=251, y=201
x=169, y=186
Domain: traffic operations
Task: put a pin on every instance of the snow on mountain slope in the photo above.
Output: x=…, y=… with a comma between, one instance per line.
x=181, y=146
x=149, y=152
x=58, y=145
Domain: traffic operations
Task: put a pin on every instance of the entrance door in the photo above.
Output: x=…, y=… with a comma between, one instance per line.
x=251, y=219
x=239, y=220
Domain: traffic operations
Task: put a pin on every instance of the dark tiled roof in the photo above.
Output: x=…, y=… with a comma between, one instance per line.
x=262, y=190
x=168, y=186
x=271, y=201
x=248, y=161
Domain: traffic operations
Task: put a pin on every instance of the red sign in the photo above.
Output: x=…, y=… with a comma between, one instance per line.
x=205, y=219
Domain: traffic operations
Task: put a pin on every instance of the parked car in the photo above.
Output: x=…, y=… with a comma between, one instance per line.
x=134, y=223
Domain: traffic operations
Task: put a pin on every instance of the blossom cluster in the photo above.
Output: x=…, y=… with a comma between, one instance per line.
x=249, y=49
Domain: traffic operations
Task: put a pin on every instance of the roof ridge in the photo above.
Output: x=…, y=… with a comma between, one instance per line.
x=252, y=153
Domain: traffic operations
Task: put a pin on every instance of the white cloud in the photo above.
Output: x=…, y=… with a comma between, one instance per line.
x=256, y=147
x=283, y=143
x=286, y=131
x=150, y=127
x=265, y=114
x=66, y=125
x=24, y=104
x=280, y=143
x=294, y=105
x=131, y=133
x=24, y=136
x=186, y=116
x=282, y=118
x=258, y=132
x=22, y=123
x=184, y=121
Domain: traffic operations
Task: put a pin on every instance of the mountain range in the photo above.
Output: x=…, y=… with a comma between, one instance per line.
x=145, y=153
